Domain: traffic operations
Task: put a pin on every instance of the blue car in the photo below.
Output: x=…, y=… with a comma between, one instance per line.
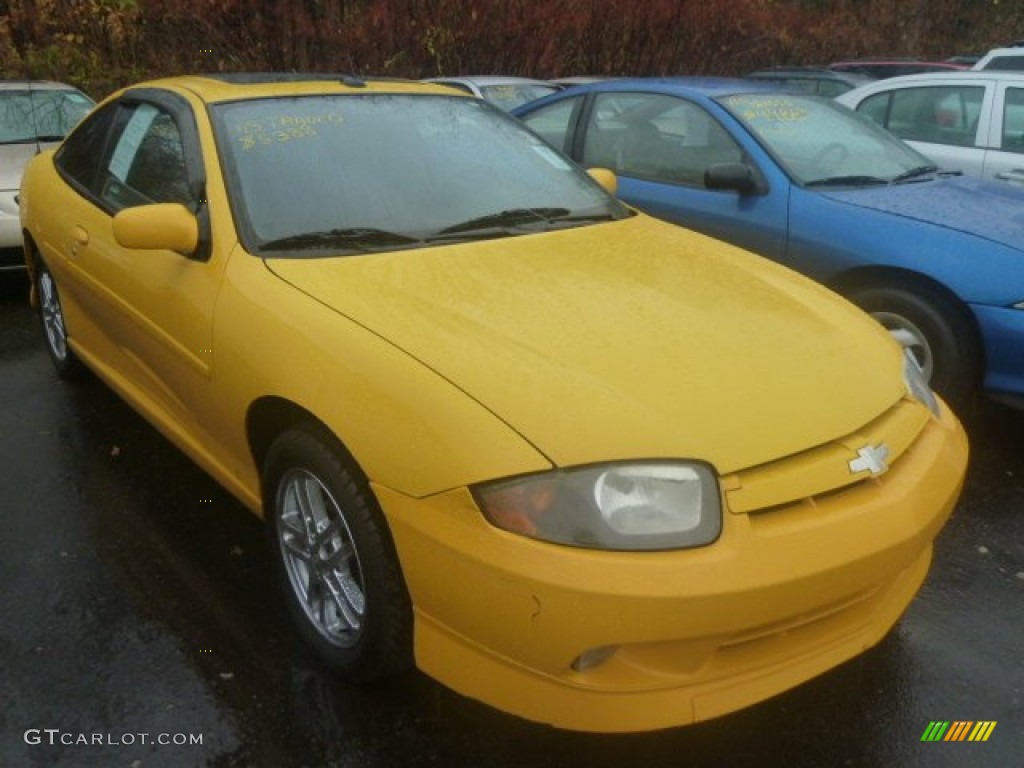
x=936, y=257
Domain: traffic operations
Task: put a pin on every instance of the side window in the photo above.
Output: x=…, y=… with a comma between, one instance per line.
x=829, y=89
x=147, y=165
x=1013, y=120
x=80, y=155
x=938, y=115
x=876, y=107
x=656, y=137
x=552, y=123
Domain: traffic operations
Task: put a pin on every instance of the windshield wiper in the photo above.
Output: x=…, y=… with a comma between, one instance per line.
x=354, y=238
x=584, y=217
x=44, y=139
x=510, y=218
x=915, y=173
x=848, y=181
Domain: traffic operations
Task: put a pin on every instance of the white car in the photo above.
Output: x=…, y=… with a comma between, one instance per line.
x=969, y=121
x=503, y=91
x=1003, y=59
x=33, y=116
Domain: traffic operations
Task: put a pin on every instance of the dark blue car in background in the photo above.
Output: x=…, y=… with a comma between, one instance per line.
x=937, y=258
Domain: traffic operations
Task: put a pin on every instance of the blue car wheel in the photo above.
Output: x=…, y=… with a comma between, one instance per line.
x=935, y=331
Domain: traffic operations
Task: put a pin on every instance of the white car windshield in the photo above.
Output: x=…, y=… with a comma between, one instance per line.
x=335, y=174
x=37, y=114
x=820, y=143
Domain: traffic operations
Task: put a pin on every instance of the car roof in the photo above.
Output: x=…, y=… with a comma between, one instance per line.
x=39, y=85
x=1016, y=50
x=696, y=88
x=937, y=64
x=214, y=88
x=491, y=80
x=817, y=73
x=924, y=78
x=703, y=86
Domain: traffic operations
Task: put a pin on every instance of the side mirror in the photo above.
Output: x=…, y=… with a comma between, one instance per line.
x=161, y=226
x=735, y=176
x=605, y=178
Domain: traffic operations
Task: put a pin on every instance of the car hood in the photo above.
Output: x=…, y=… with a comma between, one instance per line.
x=624, y=340
x=13, y=158
x=965, y=204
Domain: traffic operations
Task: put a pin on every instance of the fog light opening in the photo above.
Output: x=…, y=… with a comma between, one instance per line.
x=593, y=658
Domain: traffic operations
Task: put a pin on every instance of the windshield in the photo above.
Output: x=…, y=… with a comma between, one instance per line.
x=819, y=142
x=331, y=174
x=37, y=114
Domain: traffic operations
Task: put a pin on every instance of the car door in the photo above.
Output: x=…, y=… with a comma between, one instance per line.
x=1005, y=161
x=660, y=146
x=152, y=310
x=946, y=120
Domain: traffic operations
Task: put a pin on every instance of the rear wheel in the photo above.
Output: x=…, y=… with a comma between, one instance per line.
x=335, y=558
x=54, y=327
x=933, y=329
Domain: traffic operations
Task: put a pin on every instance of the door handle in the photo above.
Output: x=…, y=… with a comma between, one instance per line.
x=79, y=239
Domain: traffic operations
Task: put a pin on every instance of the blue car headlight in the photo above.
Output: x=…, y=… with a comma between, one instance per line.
x=647, y=505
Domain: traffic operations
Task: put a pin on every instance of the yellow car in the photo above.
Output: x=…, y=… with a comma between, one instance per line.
x=593, y=469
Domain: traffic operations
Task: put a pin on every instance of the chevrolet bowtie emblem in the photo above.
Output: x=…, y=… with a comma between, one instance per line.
x=871, y=458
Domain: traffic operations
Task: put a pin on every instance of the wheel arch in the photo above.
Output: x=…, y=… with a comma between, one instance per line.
x=849, y=283
x=31, y=258
x=270, y=416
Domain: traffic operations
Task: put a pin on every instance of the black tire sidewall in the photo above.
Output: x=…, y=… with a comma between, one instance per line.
x=384, y=647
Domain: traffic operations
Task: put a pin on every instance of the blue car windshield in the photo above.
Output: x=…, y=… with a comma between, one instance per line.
x=333, y=174
x=819, y=142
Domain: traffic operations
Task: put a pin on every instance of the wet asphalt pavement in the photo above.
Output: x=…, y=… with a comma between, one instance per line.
x=137, y=608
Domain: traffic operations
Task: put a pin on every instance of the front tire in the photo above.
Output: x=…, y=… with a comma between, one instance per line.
x=334, y=557
x=933, y=328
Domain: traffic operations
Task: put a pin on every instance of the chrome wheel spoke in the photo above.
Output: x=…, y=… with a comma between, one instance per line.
x=53, y=319
x=321, y=558
x=911, y=338
x=348, y=600
x=340, y=558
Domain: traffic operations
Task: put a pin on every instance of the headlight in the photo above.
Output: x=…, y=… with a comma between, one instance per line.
x=635, y=506
x=916, y=384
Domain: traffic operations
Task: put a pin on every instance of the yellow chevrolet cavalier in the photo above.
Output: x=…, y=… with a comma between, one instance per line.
x=590, y=468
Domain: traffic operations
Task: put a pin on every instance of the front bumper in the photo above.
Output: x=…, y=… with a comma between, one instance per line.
x=11, y=254
x=1002, y=329
x=782, y=597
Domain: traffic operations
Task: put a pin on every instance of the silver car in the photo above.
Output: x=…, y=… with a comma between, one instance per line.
x=33, y=115
x=503, y=91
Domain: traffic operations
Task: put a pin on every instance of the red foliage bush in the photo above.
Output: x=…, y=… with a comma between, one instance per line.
x=102, y=44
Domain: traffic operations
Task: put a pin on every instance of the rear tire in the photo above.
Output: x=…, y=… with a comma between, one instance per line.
x=55, y=330
x=933, y=328
x=334, y=557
